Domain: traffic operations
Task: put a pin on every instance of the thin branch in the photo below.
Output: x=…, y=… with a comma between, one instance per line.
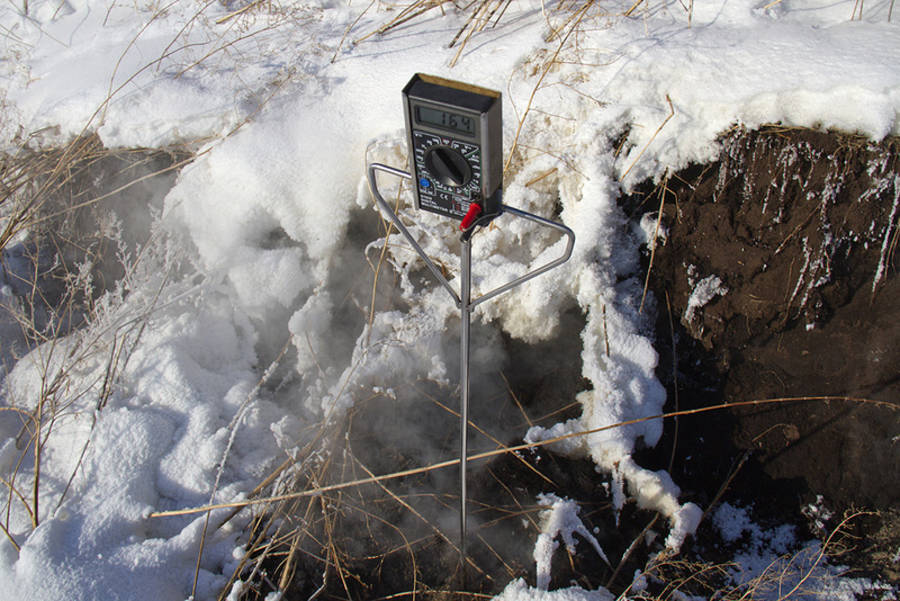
x=653, y=137
x=318, y=491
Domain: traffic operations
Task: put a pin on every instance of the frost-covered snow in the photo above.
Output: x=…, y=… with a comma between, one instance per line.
x=559, y=519
x=767, y=564
x=250, y=249
x=703, y=292
x=518, y=590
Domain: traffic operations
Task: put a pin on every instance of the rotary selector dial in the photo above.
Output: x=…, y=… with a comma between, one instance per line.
x=448, y=166
x=448, y=173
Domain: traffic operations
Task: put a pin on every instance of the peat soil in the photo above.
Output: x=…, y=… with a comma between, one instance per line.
x=775, y=278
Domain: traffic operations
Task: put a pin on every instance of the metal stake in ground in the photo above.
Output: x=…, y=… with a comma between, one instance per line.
x=465, y=293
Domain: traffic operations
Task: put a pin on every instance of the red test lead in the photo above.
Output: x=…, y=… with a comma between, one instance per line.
x=471, y=216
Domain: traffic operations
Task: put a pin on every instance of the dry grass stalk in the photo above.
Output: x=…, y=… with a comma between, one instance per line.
x=478, y=21
x=32, y=183
x=389, y=228
x=630, y=550
x=572, y=25
x=556, y=412
x=653, y=137
x=661, y=190
x=827, y=546
x=495, y=440
x=247, y=8
x=513, y=449
x=413, y=511
x=540, y=177
x=568, y=161
x=481, y=13
x=526, y=513
x=52, y=201
x=232, y=428
x=633, y=7
x=349, y=29
x=674, y=381
x=408, y=13
x=725, y=485
x=515, y=399
x=30, y=179
x=473, y=16
x=296, y=528
x=605, y=331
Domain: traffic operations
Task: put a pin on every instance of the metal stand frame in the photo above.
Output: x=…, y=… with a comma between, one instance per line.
x=466, y=304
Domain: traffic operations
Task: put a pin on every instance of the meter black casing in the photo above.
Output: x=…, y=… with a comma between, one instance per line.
x=455, y=142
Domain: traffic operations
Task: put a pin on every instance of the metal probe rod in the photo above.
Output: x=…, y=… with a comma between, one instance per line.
x=465, y=290
x=466, y=304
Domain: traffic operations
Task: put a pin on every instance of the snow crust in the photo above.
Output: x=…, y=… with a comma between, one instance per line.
x=287, y=111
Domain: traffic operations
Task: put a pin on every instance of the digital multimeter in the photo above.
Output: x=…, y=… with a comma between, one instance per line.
x=455, y=145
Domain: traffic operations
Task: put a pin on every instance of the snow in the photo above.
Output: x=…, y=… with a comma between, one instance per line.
x=766, y=563
x=287, y=110
x=703, y=292
x=518, y=590
x=559, y=519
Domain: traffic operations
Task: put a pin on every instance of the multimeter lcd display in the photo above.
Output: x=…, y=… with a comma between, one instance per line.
x=445, y=120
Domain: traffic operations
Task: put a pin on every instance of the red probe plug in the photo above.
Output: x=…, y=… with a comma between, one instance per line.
x=471, y=216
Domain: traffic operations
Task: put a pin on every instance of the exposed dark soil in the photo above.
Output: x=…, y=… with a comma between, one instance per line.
x=794, y=233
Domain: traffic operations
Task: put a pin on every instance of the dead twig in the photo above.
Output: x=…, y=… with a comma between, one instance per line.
x=653, y=137
x=233, y=427
x=575, y=21
x=663, y=188
x=318, y=491
x=674, y=381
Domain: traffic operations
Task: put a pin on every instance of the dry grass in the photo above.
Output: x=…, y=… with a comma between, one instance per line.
x=799, y=574
x=67, y=267
x=57, y=209
x=312, y=492
x=332, y=514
